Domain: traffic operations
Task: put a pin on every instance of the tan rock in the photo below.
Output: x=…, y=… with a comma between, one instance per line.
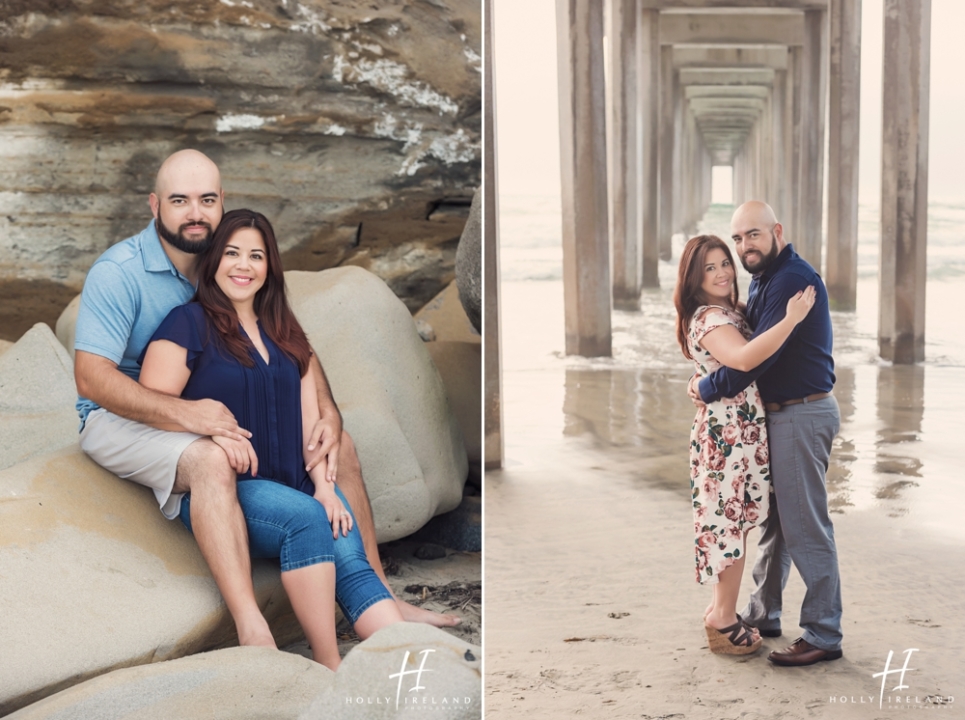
x=231, y=684
x=391, y=396
x=66, y=325
x=37, y=396
x=455, y=348
x=402, y=669
x=460, y=365
x=256, y=683
x=469, y=263
x=94, y=578
x=445, y=314
x=411, y=439
x=5, y=345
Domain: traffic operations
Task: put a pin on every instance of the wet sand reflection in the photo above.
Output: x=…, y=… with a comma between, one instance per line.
x=880, y=460
x=901, y=409
x=893, y=455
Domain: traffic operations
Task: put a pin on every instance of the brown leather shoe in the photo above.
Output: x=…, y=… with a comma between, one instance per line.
x=801, y=653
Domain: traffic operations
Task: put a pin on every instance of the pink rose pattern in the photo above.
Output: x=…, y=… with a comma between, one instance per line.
x=730, y=480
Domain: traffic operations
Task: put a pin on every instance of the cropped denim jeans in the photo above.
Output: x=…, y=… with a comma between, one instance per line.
x=287, y=524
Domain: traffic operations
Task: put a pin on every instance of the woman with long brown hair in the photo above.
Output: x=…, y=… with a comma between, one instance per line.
x=239, y=342
x=730, y=479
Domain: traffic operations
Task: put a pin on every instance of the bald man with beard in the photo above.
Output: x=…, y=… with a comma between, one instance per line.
x=163, y=442
x=802, y=420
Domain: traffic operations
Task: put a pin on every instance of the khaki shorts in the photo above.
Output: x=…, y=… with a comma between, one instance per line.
x=138, y=452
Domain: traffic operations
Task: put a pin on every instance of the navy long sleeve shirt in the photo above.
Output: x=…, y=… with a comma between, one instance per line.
x=803, y=366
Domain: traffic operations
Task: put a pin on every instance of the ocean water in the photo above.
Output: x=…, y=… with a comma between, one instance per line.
x=895, y=456
x=531, y=251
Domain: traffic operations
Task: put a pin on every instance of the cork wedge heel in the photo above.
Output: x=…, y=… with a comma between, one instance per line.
x=736, y=639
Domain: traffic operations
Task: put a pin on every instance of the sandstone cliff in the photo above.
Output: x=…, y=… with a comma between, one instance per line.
x=354, y=126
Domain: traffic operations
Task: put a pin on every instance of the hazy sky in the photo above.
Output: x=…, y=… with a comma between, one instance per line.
x=528, y=111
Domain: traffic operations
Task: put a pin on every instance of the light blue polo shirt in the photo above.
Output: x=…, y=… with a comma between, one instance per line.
x=128, y=292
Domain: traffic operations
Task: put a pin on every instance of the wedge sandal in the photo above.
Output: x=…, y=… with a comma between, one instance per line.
x=736, y=639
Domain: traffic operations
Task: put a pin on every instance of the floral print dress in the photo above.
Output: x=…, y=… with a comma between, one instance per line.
x=730, y=479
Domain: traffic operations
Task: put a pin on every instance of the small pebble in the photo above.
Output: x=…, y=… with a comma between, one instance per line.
x=426, y=331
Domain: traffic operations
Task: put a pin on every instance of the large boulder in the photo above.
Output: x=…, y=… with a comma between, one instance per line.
x=460, y=365
x=37, y=397
x=94, y=578
x=231, y=684
x=469, y=263
x=250, y=683
x=456, y=351
x=391, y=396
x=405, y=668
x=67, y=324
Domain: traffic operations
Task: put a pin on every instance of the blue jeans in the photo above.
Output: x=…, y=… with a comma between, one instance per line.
x=287, y=524
x=798, y=528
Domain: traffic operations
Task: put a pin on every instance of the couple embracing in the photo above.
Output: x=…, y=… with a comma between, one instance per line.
x=761, y=441
x=196, y=380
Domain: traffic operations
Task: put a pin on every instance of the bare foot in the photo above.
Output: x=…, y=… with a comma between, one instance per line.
x=412, y=613
x=709, y=610
x=331, y=662
x=255, y=633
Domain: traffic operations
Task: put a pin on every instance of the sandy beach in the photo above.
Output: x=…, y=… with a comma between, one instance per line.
x=591, y=604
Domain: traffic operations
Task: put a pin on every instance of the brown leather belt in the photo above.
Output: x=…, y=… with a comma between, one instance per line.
x=774, y=407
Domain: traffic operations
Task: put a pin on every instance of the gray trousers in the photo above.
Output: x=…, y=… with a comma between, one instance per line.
x=798, y=528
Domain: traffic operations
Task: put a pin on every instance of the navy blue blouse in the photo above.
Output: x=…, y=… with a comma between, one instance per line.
x=265, y=399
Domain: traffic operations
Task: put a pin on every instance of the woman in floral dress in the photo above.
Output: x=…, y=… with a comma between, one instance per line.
x=730, y=479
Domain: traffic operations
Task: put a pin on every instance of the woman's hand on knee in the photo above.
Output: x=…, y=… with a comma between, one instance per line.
x=339, y=517
x=323, y=443
x=241, y=454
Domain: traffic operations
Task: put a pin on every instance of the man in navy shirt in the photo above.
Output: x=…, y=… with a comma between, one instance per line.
x=802, y=419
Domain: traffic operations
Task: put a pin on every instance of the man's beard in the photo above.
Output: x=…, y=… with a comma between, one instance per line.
x=177, y=239
x=764, y=262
